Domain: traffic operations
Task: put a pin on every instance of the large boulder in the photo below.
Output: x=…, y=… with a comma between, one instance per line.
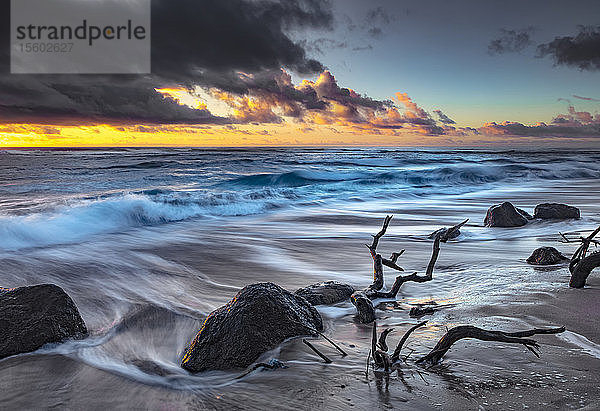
x=260, y=317
x=36, y=315
x=546, y=256
x=505, y=215
x=556, y=211
x=328, y=292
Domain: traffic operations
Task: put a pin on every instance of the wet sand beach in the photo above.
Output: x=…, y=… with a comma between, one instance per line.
x=144, y=290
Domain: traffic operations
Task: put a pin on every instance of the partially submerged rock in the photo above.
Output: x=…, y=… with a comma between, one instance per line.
x=421, y=310
x=260, y=317
x=37, y=315
x=546, y=256
x=445, y=233
x=556, y=211
x=328, y=292
x=505, y=215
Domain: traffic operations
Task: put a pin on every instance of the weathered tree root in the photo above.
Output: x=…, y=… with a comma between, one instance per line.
x=469, y=331
x=362, y=299
x=581, y=265
x=583, y=268
x=379, y=348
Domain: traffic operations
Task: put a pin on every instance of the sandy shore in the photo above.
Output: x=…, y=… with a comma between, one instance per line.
x=499, y=291
x=474, y=375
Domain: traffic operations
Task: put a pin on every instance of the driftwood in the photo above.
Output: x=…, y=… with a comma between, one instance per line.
x=362, y=299
x=581, y=265
x=384, y=362
x=469, y=331
x=319, y=353
x=379, y=348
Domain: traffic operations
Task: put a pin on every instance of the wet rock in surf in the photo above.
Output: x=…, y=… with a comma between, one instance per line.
x=555, y=211
x=37, y=315
x=546, y=256
x=328, y=292
x=443, y=232
x=421, y=310
x=524, y=213
x=505, y=215
x=260, y=317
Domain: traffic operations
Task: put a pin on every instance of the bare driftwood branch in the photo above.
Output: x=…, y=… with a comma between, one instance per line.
x=583, y=268
x=362, y=299
x=382, y=344
x=337, y=347
x=396, y=354
x=315, y=331
x=468, y=331
x=381, y=233
x=581, y=265
x=379, y=348
x=319, y=353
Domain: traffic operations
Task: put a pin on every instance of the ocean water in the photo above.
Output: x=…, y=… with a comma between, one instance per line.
x=149, y=241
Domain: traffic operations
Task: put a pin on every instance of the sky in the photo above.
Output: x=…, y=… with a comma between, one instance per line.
x=340, y=72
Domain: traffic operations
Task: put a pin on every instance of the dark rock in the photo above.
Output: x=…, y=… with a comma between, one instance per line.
x=545, y=256
x=442, y=232
x=260, y=317
x=505, y=215
x=36, y=315
x=329, y=292
x=555, y=211
x=419, y=311
x=524, y=213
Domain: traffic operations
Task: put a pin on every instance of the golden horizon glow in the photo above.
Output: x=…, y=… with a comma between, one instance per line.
x=31, y=136
x=262, y=118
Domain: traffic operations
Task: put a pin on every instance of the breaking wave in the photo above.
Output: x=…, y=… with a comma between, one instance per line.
x=82, y=219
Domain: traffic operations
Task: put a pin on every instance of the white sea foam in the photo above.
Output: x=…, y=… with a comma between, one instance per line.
x=78, y=221
x=587, y=346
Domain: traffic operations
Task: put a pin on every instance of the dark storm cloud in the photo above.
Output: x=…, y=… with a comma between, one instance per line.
x=189, y=36
x=581, y=51
x=444, y=118
x=511, y=41
x=207, y=43
x=60, y=100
